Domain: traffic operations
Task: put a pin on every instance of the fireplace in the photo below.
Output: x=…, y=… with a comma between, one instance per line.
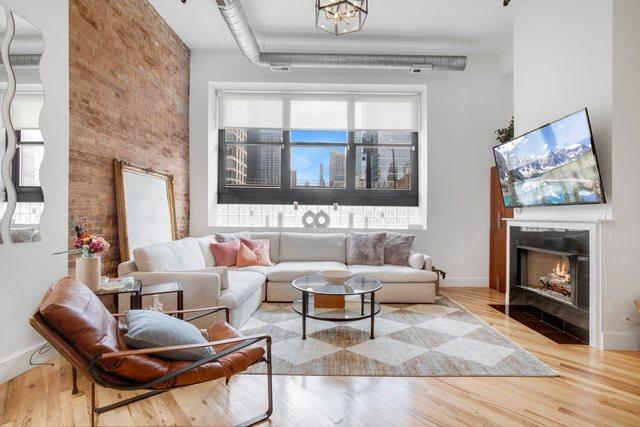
x=549, y=277
x=549, y=273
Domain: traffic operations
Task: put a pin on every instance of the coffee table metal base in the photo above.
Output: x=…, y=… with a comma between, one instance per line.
x=301, y=306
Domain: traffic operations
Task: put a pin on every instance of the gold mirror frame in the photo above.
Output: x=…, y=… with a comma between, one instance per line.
x=121, y=168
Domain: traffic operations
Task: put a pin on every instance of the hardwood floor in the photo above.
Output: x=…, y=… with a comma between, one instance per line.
x=594, y=388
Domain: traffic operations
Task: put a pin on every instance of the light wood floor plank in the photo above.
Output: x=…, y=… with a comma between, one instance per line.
x=594, y=388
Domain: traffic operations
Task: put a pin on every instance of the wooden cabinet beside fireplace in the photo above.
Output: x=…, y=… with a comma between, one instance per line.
x=498, y=236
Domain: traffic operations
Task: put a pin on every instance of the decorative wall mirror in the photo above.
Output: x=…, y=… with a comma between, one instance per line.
x=21, y=141
x=146, y=208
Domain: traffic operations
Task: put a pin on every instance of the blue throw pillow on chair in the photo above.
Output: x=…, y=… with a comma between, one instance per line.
x=152, y=329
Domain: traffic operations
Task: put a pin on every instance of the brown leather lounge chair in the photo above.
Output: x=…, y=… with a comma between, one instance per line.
x=76, y=323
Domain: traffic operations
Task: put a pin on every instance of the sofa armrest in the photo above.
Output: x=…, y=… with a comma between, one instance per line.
x=199, y=289
x=126, y=268
x=428, y=263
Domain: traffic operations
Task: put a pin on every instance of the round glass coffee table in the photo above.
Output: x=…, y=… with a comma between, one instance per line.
x=316, y=285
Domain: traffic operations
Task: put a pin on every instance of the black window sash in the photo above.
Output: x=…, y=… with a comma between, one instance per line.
x=317, y=196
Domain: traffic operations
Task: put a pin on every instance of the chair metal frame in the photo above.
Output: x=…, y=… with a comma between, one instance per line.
x=242, y=342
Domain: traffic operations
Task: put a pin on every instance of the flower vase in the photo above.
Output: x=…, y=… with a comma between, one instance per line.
x=88, y=271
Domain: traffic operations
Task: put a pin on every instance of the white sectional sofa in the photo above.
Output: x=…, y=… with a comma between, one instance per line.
x=191, y=262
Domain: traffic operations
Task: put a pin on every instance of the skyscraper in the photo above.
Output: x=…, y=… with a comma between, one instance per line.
x=321, y=182
x=337, y=169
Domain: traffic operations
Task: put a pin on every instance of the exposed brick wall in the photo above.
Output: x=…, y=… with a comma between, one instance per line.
x=129, y=99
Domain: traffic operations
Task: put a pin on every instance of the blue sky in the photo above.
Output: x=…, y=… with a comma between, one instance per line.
x=570, y=130
x=306, y=160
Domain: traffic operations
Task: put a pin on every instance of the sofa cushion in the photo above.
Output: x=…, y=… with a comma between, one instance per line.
x=365, y=248
x=393, y=273
x=397, y=248
x=290, y=270
x=204, y=243
x=242, y=284
x=274, y=244
x=229, y=237
x=313, y=247
x=262, y=269
x=179, y=255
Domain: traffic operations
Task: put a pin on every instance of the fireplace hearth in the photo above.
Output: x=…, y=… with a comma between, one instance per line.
x=549, y=277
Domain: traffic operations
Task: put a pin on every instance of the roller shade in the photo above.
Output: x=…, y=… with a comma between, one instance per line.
x=238, y=110
x=320, y=111
x=387, y=113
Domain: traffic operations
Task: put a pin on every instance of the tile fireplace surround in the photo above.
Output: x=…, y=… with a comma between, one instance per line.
x=552, y=275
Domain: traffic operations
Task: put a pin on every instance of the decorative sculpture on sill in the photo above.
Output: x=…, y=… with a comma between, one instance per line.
x=318, y=220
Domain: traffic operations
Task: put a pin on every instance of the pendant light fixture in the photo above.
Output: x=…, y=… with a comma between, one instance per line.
x=340, y=17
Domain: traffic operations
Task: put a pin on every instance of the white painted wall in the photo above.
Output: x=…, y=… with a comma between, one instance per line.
x=623, y=284
x=26, y=270
x=562, y=63
x=573, y=54
x=463, y=110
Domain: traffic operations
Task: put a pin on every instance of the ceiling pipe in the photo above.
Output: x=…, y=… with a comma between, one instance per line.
x=235, y=18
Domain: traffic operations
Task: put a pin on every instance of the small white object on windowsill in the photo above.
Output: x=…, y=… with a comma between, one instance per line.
x=157, y=305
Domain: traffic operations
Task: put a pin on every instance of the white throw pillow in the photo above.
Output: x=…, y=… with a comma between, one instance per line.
x=179, y=255
x=416, y=260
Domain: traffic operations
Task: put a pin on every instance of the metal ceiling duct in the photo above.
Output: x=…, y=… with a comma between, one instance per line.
x=236, y=20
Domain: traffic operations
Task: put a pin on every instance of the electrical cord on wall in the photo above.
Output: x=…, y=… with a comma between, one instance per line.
x=40, y=351
x=626, y=319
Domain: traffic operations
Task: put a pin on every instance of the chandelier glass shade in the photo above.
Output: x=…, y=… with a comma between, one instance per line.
x=341, y=16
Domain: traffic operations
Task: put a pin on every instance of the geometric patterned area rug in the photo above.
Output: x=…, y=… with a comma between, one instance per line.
x=411, y=340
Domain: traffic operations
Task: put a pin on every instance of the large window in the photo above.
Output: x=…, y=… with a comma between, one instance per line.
x=319, y=158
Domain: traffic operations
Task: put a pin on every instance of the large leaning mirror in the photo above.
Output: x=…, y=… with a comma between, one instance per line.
x=23, y=141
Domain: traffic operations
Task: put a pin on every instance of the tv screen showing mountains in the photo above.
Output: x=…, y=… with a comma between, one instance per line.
x=554, y=165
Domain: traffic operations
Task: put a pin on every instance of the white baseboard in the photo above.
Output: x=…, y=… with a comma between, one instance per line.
x=465, y=282
x=620, y=341
x=16, y=364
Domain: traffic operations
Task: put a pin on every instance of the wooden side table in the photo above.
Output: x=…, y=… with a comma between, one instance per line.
x=163, y=288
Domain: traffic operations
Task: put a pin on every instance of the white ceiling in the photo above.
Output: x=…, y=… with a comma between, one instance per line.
x=480, y=27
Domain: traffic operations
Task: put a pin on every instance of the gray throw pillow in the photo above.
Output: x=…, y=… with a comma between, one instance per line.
x=366, y=248
x=230, y=237
x=152, y=329
x=397, y=248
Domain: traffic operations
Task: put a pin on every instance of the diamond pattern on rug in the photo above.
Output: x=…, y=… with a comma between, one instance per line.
x=421, y=337
x=295, y=325
x=449, y=326
x=387, y=350
x=297, y=350
x=441, y=339
x=433, y=310
x=253, y=323
x=474, y=351
x=341, y=336
x=381, y=326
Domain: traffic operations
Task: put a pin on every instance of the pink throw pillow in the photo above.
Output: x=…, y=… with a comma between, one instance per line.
x=253, y=252
x=225, y=253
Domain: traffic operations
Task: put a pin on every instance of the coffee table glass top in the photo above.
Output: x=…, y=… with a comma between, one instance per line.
x=316, y=284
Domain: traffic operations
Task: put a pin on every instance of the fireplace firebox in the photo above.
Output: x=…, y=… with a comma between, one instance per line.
x=549, y=277
x=552, y=274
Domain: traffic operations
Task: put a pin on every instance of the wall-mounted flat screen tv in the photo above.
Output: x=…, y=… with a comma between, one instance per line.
x=552, y=165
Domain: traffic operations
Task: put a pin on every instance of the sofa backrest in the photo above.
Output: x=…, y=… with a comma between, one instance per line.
x=313, y=247
x=179, y=255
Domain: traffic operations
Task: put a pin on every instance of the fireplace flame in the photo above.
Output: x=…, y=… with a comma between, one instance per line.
x=561, y=271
